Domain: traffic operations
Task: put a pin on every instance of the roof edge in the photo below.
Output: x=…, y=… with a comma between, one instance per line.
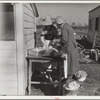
x=94, y=8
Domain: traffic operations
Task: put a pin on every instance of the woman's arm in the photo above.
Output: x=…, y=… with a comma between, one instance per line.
x=43, y=38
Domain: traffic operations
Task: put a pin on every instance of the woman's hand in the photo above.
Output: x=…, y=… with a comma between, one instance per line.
x=64, y=55
x=56, y=40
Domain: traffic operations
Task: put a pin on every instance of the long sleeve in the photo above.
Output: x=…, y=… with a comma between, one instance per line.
x=65, y=37
x=43, y=38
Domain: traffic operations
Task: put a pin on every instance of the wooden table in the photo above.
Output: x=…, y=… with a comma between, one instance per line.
x=31, y=59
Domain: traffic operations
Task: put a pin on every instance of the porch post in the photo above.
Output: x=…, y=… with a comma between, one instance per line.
x=18, y=15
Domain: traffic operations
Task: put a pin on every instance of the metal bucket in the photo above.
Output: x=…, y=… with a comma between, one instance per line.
x=70, y=92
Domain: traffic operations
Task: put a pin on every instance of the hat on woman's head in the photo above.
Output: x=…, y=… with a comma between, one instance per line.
x=60, y=20
x=47, y=20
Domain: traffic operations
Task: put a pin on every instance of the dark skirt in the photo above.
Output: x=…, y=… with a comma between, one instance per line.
x=73, y=62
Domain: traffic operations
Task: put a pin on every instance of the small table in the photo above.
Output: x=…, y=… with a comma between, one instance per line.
x=31, y=59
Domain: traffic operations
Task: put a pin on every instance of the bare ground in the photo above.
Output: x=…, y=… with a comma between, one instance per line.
x=90, y=87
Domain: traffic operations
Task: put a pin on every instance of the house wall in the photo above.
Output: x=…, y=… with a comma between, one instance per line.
x=92, y=15
x=29, y=29
x=13, y=64
x=29, y=26
x=8, y=63
x=25, y=27
x=8, y=68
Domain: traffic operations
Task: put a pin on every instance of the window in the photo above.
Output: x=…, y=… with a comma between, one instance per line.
x=6, y=22
x=97, y=24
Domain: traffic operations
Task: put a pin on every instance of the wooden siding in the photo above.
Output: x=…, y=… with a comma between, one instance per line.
x=8, y=88
x=5, y=68
x=29, y=37
x=8, y=68
x=7, y=53
x=30, y=44
x=12, y=53
x=29, y=26
x=6, y=45
x=29, y=29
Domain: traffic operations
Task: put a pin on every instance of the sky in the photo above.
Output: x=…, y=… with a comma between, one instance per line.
x=72, y=12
